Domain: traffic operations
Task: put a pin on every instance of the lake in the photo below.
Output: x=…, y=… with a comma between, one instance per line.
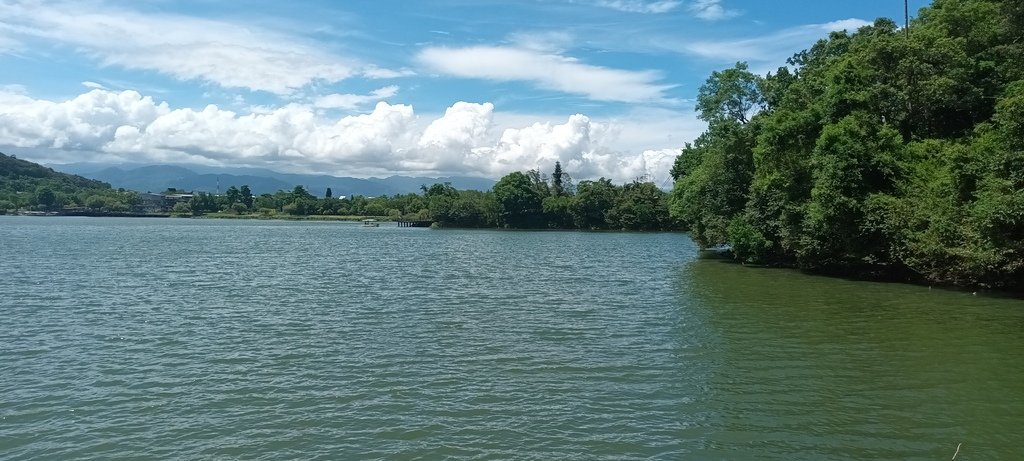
x=216, y=339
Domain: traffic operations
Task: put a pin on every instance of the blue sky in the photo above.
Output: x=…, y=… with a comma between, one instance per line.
x=382, y=87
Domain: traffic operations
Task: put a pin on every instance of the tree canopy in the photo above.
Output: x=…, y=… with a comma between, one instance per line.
x=875, y=152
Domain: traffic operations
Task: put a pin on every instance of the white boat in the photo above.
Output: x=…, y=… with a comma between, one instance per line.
x=370, y=223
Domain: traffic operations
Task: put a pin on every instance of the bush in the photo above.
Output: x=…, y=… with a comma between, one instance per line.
x=748, y=243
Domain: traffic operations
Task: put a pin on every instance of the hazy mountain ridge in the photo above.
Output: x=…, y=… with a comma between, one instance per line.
x=156, y=178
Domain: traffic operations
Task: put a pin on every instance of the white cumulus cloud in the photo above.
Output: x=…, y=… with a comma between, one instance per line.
x=467, y=139
x=463, y=125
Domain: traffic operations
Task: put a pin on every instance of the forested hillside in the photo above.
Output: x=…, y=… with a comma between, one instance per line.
x=27, y=185
x=883, y=152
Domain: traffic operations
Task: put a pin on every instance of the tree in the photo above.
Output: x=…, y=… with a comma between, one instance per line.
x=46, y=197
x=267, y=201
x=233, y=195
x=96, y=202
x=854, y=159
x=202, y=202
x=247, y=198
x=441, y=201
x=713, y=187
x=640, y=206
x=375, y=209
x=181, y=208
x=557, y=186
x=539, y=183
x=557, y=212
x=328, y=194
x=590, y=205
x=731, y=94
x=300, y=192
x=519, y=201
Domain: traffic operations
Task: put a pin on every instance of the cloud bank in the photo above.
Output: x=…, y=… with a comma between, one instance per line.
x=129, y=127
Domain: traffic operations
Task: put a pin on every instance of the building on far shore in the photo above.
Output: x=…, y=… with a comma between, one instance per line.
x=158, y=203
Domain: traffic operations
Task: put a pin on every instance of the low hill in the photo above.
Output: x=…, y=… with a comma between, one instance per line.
x=29, y=186
x=13, y=169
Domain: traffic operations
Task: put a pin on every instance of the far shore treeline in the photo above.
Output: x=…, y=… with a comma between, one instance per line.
x=520, y=200
x=881, y=153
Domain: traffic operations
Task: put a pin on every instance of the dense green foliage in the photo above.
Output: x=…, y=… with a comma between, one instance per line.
x=873, y=153
x=29, y=186
x=531, y=201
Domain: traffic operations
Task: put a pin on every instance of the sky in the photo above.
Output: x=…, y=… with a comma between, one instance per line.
x=380, y=87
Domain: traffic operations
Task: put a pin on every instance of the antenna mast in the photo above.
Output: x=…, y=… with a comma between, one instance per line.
x=906, y=17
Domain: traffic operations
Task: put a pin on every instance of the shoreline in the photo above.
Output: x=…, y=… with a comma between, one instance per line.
x=1001, y=292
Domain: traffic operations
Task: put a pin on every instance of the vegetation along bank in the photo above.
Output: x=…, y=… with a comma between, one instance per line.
x=880, y=153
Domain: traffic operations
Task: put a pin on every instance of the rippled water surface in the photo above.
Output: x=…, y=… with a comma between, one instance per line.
x=193, y=339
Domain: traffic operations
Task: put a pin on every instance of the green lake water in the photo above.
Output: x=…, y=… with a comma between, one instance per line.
x=195, y=339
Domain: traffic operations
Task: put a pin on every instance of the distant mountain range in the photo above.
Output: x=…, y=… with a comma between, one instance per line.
x=157, y=178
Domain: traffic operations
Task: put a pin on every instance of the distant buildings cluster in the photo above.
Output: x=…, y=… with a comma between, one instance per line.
x=160, y=203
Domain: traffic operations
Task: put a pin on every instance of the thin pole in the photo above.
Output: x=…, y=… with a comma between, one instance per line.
x=906, y=17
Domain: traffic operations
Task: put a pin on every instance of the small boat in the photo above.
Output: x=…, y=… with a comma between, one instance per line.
x=370, y=223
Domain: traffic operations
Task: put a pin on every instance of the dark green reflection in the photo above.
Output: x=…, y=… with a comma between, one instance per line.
x=823, y=368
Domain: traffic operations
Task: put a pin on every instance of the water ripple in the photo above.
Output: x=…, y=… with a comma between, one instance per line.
x=185, y=339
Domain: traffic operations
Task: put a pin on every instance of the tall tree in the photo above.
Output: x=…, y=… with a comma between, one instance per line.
x=731, y=94
x=233, y=195
x=713, y=175
x=557, y=186
x=246, y=196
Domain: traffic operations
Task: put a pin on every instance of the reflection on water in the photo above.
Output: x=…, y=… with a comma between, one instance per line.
x=827, y=368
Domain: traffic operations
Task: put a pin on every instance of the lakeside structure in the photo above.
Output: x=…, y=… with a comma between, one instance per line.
x=160, y=203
